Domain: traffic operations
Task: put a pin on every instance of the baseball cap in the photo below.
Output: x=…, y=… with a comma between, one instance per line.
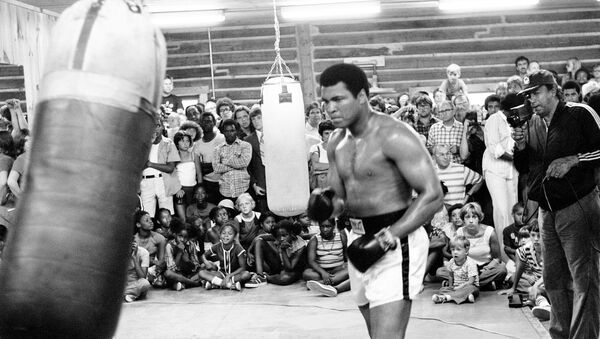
x=226, y=203
x=511, y=101
x=537, y=79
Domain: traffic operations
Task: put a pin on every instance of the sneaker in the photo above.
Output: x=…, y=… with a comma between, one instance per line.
x=438, y=298
x=471, y=298
x=236, y=286
x=179, y=286
x=129, y=298
x=316, y=286
x=257, y=281
x=541, y=312
x=208, y=285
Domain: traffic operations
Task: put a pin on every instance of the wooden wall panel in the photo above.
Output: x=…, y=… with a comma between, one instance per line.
x=24, y=40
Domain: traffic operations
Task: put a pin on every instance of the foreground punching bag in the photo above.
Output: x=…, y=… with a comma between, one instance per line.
x=286, y=168
x=63, y=272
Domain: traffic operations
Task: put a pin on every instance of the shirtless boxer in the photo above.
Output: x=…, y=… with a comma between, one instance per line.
x=375, y=164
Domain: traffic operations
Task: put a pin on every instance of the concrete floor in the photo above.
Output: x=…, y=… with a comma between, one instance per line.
x=293, y=312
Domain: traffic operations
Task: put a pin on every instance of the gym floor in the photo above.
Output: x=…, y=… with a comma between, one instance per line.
x=271, y=312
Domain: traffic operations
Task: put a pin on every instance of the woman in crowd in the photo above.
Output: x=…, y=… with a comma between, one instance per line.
x=484, y=248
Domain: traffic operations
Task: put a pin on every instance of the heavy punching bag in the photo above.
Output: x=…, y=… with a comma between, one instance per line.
x=286, y=169
x=64, y=268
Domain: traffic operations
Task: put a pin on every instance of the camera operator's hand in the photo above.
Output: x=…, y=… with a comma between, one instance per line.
x=561, y=166
x=453, y=149
x=519, y=138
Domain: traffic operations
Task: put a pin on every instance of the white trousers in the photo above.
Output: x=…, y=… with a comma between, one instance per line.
x=504, y=193
x=152, y=189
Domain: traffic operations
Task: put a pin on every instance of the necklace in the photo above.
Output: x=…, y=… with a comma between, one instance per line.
x=332, y=241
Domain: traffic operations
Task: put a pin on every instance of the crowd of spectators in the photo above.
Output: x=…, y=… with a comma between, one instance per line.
x=204, y=220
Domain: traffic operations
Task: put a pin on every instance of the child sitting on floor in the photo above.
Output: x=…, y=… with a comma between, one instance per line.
x=165, y=223
x=511, y=232
x=282, y=261
x=218, y=216
x=247, y=220
x=137, y=269
x=463, y=279
x=231, y=272
x=527, y=279
x=328, y=270
x=154, y=243
x=182, y=259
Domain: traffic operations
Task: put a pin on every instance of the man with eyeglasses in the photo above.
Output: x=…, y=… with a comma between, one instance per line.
x=560, y=145
x=449, y=132
x=456, y=177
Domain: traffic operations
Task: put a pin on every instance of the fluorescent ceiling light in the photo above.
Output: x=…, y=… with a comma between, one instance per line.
x=187, y=19
x=484, y=5
x=331, y=11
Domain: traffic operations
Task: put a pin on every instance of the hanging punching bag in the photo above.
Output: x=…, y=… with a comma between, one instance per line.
x=64, y=267
x=286, y=169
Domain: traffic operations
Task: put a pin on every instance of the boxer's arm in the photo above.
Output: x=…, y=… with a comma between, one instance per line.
x=403, y=147
x=333, y=177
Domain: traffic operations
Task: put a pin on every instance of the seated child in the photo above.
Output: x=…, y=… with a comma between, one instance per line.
x=231, y=272
x=451, y=227
x=201, y=208
x=218, y=216
x=463, y=278
x=308, y=227
x=154, y=243
x=163, y=223
x=282, y=261
x=529, y=260
x=267, y=220
x=511, y=232
x=328, y=270
x=247, y=220
x=137, y=269
x=453, y=85
x=182, y=259
x=527, y=279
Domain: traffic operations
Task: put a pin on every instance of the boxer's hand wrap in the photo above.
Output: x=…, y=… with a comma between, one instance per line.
x=368, y=249
x=320, y=204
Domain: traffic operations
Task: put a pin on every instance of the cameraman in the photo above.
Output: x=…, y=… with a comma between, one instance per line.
x=561, y=146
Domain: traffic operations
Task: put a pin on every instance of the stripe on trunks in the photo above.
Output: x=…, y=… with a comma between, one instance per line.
x=84, y=37
x=405, y=267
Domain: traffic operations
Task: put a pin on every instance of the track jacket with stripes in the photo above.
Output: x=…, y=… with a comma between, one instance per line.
x=574, y=130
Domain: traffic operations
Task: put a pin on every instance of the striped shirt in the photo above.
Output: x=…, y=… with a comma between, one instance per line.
x=526, y=254
x=330, y=253
x=462, y=273
x=456, y=177
x=439, y=134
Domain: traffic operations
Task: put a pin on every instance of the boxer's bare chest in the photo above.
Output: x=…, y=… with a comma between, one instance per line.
x=359, y=158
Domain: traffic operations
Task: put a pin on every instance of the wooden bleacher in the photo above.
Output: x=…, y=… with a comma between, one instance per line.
x=417, y=49
x=12, y=84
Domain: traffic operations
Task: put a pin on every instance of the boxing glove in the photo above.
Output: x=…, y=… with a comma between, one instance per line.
x=320, y=204
x=364, y=252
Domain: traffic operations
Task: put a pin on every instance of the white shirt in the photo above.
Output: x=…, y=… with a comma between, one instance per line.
x=153, y=157
x=314, y=131
x=498, y=140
